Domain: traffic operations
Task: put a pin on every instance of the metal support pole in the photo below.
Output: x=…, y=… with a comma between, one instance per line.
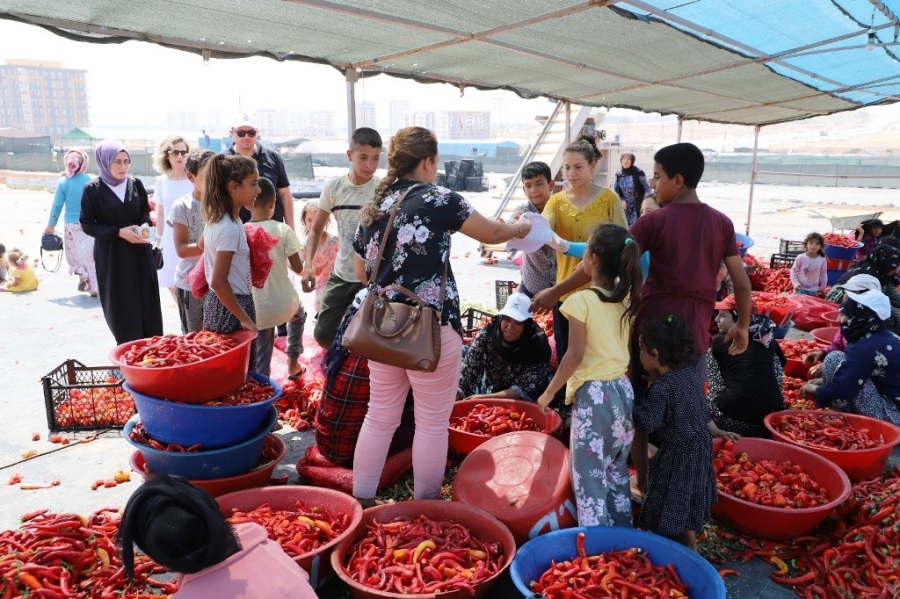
x=752, y=178
x=568, y=122
x=680, y=128
x=352, y=77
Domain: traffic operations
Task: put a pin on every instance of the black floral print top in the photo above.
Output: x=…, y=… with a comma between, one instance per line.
x=417, y=245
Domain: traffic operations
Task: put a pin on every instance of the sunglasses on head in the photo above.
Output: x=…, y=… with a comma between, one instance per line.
x=178, y=152
x=246, y=132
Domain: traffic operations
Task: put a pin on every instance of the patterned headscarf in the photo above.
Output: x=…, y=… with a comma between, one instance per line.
x=105, y=154
x=76, y=162
x=762, y=329
x=861, y=321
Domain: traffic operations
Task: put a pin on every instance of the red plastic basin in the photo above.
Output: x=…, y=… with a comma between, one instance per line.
x=859, y=464
x=779, y=523
x=464, y=443
x=480, y=524
x=831, y=317
x=228, y=484
x=522, y=479
x=825, y=335
x=191, y=383
x=316, y=563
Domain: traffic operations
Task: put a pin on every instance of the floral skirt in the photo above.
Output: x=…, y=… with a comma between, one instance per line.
x=80, y=256
x=602, y=431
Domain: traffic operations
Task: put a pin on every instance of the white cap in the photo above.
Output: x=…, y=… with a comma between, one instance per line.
x=866, y=290
x=243, y=120
x=518, y=307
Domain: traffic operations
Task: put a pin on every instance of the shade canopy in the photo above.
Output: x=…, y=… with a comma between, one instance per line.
x=748, y=62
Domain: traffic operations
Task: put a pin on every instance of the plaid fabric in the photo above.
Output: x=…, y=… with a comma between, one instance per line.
x=345, y=402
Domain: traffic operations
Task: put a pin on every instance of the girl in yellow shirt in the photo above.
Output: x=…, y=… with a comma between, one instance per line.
x=594, y=372
x=21, y=273
x=572, y=214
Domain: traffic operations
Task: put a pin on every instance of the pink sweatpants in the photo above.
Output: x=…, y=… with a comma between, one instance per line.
x=434, y=394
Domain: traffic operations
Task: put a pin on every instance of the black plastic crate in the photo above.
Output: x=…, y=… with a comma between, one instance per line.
x=781, y=261
x=476, y=184
x=85, y=398
x=502, y=290
x=473, y=320
x=791, y=248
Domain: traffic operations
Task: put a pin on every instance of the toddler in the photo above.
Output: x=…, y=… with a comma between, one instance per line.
x=809, y=273
x=326, y=251
x=681, y=484
x=20, y=271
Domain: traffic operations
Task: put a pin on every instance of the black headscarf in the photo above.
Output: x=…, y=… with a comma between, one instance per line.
x=861, y=321
x=635, y=173
x=762, y=329
x=531, y=348
x=880, y=260
x=178, y=525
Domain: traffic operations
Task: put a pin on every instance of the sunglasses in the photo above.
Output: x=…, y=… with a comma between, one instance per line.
x=246, y=132
x=178, y=152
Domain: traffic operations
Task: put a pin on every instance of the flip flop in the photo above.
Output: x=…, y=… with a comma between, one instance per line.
x=298, y=375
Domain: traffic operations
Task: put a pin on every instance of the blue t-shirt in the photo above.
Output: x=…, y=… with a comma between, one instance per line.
x=68, y=196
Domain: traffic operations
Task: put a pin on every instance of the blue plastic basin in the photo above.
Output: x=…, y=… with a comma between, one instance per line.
x=842, y=253
x=533, y=558
x=781, y=332
x=211, y=426
x=748, y=243
x=201, y=465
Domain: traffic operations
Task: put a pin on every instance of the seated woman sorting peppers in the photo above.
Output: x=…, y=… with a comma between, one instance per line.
x=867, y=374
x=509, y=358
x=744, y=388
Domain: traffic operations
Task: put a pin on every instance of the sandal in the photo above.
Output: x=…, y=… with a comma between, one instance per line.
x=297, y=375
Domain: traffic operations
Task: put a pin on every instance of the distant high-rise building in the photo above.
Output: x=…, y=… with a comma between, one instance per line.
x=464, y=124
x=276, y=123
x=423, y=119
x=183, y=121
x=365, y=114
x=400, y=116
x=317, y=123
x=42, y=97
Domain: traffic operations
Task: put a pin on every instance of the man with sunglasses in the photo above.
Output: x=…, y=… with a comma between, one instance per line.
x=269, y=163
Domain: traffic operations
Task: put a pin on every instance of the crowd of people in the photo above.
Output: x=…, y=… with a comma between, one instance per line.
x=631, y=277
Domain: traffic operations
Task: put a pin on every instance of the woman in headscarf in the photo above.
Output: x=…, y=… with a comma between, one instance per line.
x=631, y=185
x=113, y=208
x=67, y=201
x=181, y=528
x=744, y=388
x=866, y=375
x=509, y=358
x=881, y=263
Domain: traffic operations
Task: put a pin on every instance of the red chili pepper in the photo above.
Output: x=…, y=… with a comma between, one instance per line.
x=177, y=350
x=298, y=531
x=828, y=431
x=840, y=240
x=767, y=482
x=493, y=421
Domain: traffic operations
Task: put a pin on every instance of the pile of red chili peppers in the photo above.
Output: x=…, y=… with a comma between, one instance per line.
x=94, y=407
x=299, y=402
x=493, y=421
x=298, y=531
x=421, y=555
x=790, y=390
x=855, y=556
x=828, y=431
x=771, y=483
x=623, y=573
x=252, y=391
x=57, y=556
x=840, y=240
x=796, y=349
x=139, y=435
x=178, y=350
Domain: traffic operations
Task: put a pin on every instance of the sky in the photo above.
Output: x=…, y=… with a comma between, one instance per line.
x=137, y=83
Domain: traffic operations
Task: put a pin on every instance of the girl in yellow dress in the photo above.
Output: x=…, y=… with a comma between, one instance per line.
x=21, y=274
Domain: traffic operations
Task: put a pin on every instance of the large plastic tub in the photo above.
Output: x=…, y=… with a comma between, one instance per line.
x=859, y=464
x=480, y=524
x=842, y=253
x=523, y=480
x=745, y=243
x=316, y=563
x=779, y=523
x=215, y=463
x=192, y=383
x=534, y=558
x=832, y=317
x=464, y=443
x=229, y=484
x=211, y=426
x=824, y=335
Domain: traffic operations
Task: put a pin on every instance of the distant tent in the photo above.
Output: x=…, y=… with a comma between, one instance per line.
x=18, y=141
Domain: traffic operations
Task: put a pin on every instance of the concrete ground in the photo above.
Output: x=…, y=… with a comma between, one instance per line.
x=40, y=330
